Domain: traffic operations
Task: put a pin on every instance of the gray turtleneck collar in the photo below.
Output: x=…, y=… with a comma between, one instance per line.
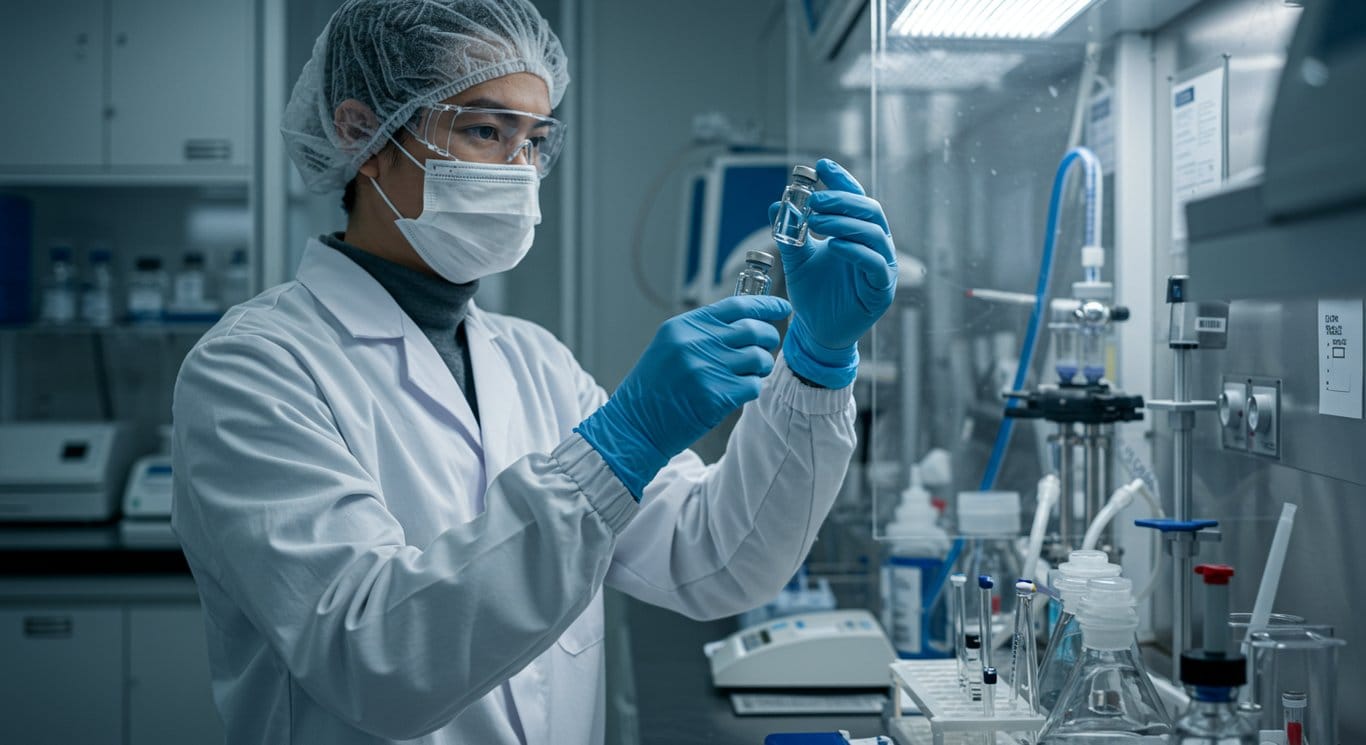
x=437, y=307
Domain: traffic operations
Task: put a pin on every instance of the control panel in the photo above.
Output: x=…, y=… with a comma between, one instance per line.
x=1250, y=415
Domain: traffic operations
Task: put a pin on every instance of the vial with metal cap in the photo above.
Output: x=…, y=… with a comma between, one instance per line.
x=754, y=279
x=789, y=226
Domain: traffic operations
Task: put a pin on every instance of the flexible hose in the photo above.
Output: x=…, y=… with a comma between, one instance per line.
x=1036, y=316
x=1048, y=491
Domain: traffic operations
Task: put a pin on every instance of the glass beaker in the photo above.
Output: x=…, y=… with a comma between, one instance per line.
x=1302, y=659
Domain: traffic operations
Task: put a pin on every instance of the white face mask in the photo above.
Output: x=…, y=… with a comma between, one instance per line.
x=477, y=218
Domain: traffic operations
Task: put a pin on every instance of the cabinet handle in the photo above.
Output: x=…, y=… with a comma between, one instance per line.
x=48, y=627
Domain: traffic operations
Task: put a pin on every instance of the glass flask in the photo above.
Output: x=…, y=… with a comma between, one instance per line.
x=789, y=226
x=754, y=279
x=1108, y=698
x=1064, y=645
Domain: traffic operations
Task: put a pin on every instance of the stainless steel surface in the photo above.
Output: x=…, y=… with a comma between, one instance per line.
x=1066, y=444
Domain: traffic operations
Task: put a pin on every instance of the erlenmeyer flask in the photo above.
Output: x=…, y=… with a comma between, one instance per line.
x=1064, y=645
x=1108, y=698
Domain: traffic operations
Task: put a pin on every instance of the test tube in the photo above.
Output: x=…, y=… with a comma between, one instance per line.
x=960, y=581
x=1295, y=703
x=984, y=584
x=1024, y=658
x=973, y=643
x=989, y=701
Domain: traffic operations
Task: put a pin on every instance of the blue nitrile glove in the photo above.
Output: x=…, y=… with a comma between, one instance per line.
x=701, y=366
x=839, y=285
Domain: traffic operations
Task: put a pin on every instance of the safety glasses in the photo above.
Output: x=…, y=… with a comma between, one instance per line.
x=481, y=135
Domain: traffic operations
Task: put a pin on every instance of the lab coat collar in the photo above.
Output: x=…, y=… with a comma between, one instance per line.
x=349, y=293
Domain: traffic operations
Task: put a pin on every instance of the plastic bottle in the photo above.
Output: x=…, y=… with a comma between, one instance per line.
x=147, y=290
x=59, y=289
x=915, y=563
x=789, y=225
x=1064, y=645
x=97, y=299
x=234, y=286
x=754, y=279
x=1108, y=699
x=989, y=523
x=189, y=297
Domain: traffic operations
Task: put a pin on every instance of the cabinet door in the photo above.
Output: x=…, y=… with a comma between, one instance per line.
x=61, y=675
x=169, y=693
x=180, y=82
x=52, y=55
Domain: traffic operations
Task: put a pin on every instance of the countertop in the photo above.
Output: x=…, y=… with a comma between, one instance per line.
x=134, y=548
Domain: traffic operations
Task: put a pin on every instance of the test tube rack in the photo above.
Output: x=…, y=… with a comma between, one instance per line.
x=947, y=715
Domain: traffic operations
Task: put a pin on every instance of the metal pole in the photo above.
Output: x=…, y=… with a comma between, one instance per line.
x=910, y=386
x=1181, y=469
x=1095, y=497
x=1066, y=442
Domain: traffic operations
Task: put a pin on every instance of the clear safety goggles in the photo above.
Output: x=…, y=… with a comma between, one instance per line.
x=481, y=135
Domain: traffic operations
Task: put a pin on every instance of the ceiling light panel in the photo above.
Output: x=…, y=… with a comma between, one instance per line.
x=986, y=19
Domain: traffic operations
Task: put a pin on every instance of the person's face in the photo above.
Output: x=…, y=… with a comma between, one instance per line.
x=401, y=178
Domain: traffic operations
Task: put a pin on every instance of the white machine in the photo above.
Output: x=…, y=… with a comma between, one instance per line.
x=148, y=494
x=62, y=471
x=830, y=649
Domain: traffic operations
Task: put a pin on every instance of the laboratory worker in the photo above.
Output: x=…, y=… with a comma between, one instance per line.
x=400, y=509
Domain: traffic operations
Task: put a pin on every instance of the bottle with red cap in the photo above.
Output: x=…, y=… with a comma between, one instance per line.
x=1213, y=675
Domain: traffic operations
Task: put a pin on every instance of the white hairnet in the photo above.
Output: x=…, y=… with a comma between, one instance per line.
x=395, y=56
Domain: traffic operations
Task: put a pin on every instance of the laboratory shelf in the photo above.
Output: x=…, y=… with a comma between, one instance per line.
x=947, y=716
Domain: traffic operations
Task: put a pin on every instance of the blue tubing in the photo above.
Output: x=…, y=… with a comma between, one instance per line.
x=998, y=450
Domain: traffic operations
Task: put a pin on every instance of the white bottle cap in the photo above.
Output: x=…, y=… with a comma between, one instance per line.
x=994, y=513
x=1107, y=616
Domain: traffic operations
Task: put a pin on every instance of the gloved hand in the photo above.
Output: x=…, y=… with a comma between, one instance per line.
x=701, y=366
x=840, y=284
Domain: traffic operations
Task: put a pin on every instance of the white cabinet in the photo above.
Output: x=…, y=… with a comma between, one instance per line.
x=127, y=86
x=169, y=696
x=52, y=54
x=61, y=674
x=129, y=673
x=180, y=82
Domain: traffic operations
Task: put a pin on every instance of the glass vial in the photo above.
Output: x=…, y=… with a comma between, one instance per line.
x=147, y=291
x=97, y=300
x=754, y=279
x=1294, y=703
x=59, y=289
x=790, y=224
x=189, y=295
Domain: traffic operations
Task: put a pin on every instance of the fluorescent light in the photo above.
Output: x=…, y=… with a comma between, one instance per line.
x=931, y=70
x=986, y=19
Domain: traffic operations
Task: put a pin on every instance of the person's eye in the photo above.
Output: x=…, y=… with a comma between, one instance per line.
x=483, y=132
x=538, y=142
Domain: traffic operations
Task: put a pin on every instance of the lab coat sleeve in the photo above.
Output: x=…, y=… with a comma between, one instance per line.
x=393, y=638
x=714, y=541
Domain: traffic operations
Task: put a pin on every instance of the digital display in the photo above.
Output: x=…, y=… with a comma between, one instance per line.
x=74, y=451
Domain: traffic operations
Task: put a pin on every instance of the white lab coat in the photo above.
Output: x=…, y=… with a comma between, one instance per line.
x=375, y=566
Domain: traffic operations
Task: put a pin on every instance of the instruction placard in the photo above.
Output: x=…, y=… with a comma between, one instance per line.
x=1198, y=143
x=1340, y=338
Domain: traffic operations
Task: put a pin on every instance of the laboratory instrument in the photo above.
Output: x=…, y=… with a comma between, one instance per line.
x=789, y=226
x=97, y=297
x=1302, y=658
x=914, y=564
x=1192, y=326
x=59, y=289
x=1293, y=704
x=834, y=649
x=960, y=631
x=1108, y=698
x=1024, y=652
x=1213, y=674
x=754, y=279
x=62, y=471
x=148, y=492
x=1064, y=644
x=147, y=290
x=988, y=523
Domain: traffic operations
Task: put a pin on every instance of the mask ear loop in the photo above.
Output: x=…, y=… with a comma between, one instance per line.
x=375, y=183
